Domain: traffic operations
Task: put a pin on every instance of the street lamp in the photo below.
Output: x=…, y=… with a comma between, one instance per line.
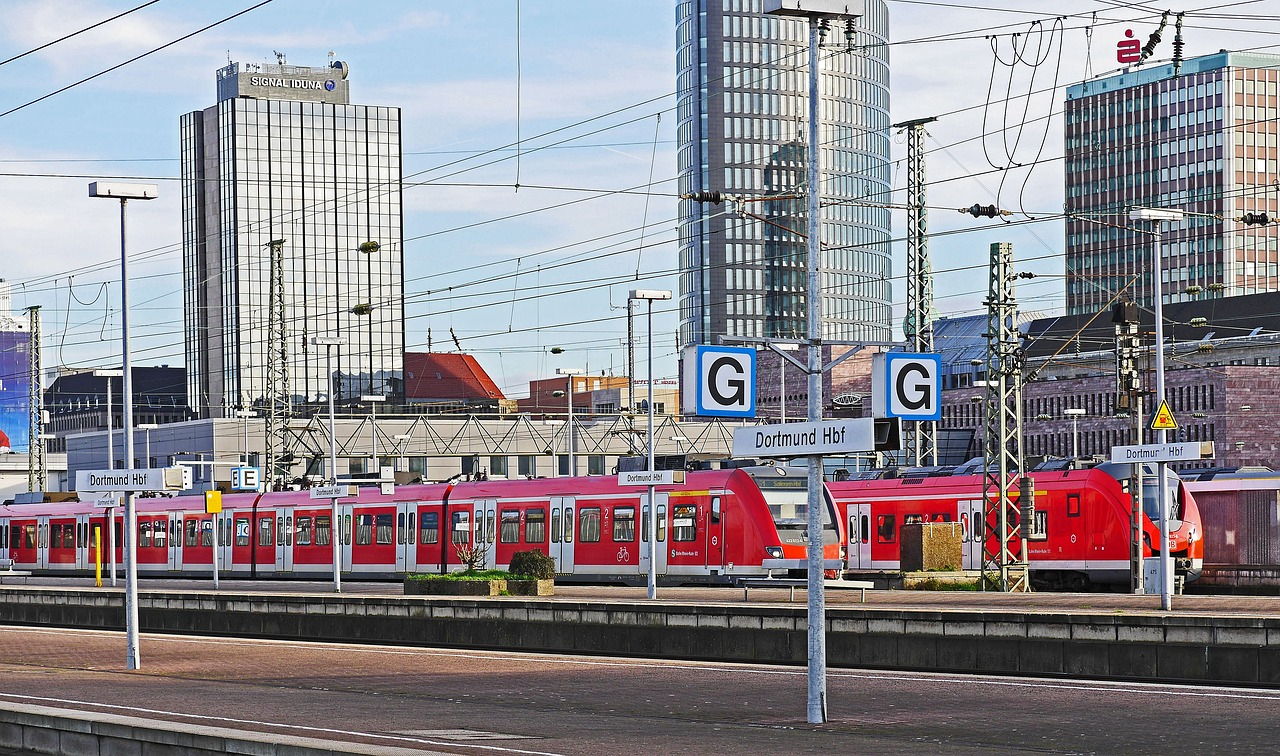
x=569, y=373
x=125, y=192
x=329, y=342
x=1074, y=413
x=1156, y=216
x=148, y=427
x=651, y=296
x=111, y=465
x=373, y=400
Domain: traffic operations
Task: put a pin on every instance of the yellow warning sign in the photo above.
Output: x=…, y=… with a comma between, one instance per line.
x=1163, y=419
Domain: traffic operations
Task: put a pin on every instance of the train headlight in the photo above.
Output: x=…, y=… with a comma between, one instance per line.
x=774, y=552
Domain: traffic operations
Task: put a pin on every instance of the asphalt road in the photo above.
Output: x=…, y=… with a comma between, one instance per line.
x=494, y=703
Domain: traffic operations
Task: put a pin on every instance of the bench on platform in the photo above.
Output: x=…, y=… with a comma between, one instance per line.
x=7, y=571
x=791, y=584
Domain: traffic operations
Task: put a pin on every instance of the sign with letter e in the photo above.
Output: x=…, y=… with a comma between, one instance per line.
x=720, y=382
x=907, y=385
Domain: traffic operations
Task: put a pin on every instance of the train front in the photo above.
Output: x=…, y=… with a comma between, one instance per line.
x=786, y=495
x=1186, y=531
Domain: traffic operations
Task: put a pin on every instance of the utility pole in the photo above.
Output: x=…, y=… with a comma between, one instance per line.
x=1004, y=557
x=922, y=435
x=279, y=405
x=36, y=475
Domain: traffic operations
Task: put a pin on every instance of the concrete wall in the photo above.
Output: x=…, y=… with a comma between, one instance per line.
x=1146, y=647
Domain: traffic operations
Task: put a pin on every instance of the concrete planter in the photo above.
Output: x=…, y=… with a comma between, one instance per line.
x=531, y=587
x=446, y=587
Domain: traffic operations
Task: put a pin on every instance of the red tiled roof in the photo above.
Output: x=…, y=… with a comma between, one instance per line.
x=440, y=375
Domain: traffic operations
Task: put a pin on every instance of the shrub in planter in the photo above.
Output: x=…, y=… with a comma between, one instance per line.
x=484, y=583
x=532, y=564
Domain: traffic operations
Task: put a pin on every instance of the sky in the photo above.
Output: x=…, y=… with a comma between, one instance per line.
x=512, y=251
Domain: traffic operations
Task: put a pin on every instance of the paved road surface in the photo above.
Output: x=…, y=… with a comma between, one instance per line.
x=496, y=703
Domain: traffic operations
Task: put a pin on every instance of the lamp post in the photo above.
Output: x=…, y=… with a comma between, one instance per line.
x=373, y=400
x=111, y=465
x=125, y=192
x=1074, y=413
x=569, y=373
x=148, y=427
x=651, y=296
x=1156, y=216
x=329, y=342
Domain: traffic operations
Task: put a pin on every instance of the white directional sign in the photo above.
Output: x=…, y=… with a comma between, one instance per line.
x=648, y=478
x=721, y=382
x=801, y=439
x=1183, y=452
x=907, y=385
x=153, y=479
x=332, y=492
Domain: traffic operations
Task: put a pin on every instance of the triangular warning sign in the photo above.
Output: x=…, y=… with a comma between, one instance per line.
x=1163, y=419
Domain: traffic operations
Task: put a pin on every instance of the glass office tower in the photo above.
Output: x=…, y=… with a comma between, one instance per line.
x=285, y=156
x=742, y=79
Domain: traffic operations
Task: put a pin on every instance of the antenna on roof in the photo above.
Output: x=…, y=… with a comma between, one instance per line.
x=455, y=339
x=279, y=57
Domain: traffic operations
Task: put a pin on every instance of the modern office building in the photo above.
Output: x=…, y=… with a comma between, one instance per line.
x=1202, y=140
x=742, y=79
x=284, y=159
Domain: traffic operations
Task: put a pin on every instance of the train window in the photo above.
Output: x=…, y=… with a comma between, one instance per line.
x=460, y=527
x=1073, y=505
x=684, y=522
x=29, y=536
x=226, y=531
x=535, y=526
x=280, y=530
x=429, y=527
x=912, y=519
x=853, y=528
x=69, y=536
x=57, y=535
x=1040, y=526
x=555, y=525
x=364, y=530
x=193, y=531
x=206, y=532
x=662, y=522
x=715, y=510
x=644, y=524
x=886, y=528
x=15, y=536
x=400, y=534
x=866, y=529
x=242, y=531
x=510, y=526
x=344, y=523
x=624, y=524
x=589, y=525
x=323, y=531
x=568, y=524
x=303, y=533
x=144, y=534
x=43, y=534
x=411, y=535
x=266, y=531
x=490, y=529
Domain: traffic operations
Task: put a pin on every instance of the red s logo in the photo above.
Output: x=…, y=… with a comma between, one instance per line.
x=1128, y=50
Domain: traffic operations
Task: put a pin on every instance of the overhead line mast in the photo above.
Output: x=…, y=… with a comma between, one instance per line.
x=922, y=435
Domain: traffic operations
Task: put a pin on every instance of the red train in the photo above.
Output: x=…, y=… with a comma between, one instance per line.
x=1082, y=530
x=717, y=526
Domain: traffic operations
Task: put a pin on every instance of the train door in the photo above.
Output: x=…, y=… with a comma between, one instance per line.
x=4, y=539
x=346, y=527
x=175, y=541
x=285, y=531
x=486, y=528
x=715, y=536
x=404, y=536
x=226, y=540
x=859, y=530
x=562, y=533
x=660, y=568
x=84, y=543
x=972, y=523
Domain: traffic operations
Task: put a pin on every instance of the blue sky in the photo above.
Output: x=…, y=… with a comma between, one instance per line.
x=580, y=231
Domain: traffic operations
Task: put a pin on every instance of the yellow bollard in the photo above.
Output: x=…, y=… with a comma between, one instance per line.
x=97, y=555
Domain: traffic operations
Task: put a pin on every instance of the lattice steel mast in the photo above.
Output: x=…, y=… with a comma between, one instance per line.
x=1004, y=551
x=36, y=476
x=279, y=401
x=922, y=436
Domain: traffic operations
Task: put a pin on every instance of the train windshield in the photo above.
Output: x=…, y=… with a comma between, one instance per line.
x=788, y=502
x=1151, y=499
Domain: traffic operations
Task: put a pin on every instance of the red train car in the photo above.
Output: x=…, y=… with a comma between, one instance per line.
x=1082, y=532
x=715, y=527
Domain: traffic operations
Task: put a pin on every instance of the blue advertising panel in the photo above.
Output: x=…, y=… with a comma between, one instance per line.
x=15, y=390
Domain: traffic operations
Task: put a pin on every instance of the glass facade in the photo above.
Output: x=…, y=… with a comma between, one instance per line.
x=1204, y=142
x=325, y=178
x=742, y=80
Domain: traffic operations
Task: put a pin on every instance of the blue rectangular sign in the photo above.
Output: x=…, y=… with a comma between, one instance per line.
x=726, y=381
